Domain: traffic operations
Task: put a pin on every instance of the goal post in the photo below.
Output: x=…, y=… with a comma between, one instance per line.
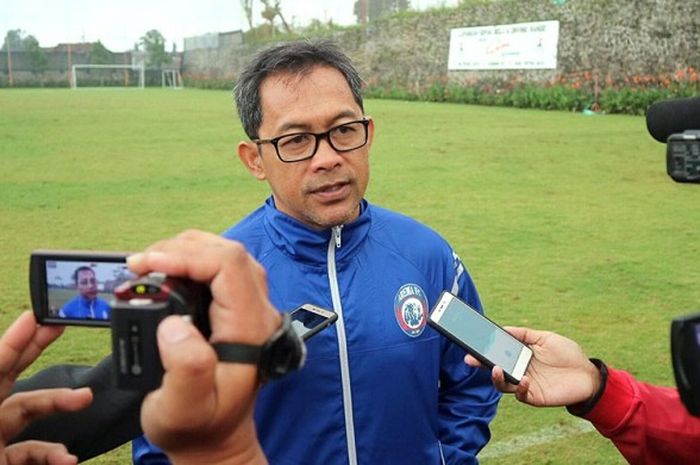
x=131, y=76
x=171, y=78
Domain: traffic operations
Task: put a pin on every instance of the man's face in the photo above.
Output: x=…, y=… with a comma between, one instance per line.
x=87, y=284
x=325, y=190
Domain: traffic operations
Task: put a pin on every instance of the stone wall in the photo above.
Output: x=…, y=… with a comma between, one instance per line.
x=612, y=38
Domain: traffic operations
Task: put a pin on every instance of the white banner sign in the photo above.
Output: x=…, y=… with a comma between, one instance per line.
x=507, y=46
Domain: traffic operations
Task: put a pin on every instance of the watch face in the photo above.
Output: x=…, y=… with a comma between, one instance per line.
x=284, y=352
x=288, y=354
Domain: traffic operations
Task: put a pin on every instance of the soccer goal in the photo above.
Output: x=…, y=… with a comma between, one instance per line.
x=129, y=76
x=171, y=78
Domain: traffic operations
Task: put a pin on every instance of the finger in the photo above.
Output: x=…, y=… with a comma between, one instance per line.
x=179, y=256
x=241, y=310
x=186, y=397
x=525, y=335
x=21, y=344
x=39, y=452
x=43, y=337
x=521, y=391
x=14, y=342
x=19, y=410
x=473, y=362
x=200, y=402
x=238, y=283
x=517, y=332
x=499, y=380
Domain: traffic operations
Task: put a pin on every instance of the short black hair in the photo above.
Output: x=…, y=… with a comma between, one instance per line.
x=296, y=57
x=79, y=269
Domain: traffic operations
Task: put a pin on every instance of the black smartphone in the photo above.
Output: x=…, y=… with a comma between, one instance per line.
x=309, y=319
x=75, y=287
x=481, y=337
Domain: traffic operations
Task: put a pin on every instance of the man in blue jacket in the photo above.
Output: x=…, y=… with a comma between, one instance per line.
x=86, y=305
x=378, y=387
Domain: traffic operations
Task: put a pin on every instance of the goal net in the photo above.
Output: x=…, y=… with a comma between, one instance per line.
x=128, y=76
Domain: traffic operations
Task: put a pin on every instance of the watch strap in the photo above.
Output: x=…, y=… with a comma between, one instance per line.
x=237, y=353
x=583, y=408
x=269, y=357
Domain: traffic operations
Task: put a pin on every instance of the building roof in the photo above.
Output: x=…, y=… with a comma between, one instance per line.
x=78, y=47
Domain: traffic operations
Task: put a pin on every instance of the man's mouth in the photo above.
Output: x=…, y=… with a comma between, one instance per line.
x=328, y=189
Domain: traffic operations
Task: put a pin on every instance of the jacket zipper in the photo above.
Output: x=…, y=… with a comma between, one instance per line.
x=334, y=243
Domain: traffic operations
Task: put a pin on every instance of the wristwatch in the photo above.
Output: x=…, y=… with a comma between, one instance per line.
x=285, y=351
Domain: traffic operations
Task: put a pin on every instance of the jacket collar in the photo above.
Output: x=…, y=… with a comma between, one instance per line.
x=308, y=245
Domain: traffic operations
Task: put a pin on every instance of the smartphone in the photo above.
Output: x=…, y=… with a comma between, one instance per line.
x=309, y=319
x=75, y=287
x=481, y=337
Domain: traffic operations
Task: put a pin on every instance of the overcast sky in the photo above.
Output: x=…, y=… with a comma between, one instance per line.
x=120, y=23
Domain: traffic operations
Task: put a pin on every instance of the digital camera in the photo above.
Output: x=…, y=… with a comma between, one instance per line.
x=676, y=123
x=82, y=288
x=683, y=156
x=86, y=288
x=139, y=306
x=685, y=352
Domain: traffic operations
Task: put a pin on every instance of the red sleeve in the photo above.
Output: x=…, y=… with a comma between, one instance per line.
x=648, y=424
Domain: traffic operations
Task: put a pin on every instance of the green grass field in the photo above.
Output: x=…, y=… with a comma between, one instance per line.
x=566, y=222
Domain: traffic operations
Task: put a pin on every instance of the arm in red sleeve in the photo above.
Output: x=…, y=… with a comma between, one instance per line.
x=648, y=424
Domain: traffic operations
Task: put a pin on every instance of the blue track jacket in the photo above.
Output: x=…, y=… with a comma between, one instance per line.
x=379, y=386
x=85, y=309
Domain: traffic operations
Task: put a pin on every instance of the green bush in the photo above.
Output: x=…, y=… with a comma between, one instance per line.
x=213, y=84
x=631, y=96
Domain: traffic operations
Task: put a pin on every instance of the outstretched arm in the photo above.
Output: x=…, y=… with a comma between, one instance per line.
x=648, y=424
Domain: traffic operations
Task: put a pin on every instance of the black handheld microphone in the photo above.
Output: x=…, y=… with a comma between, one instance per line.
x=673, y=116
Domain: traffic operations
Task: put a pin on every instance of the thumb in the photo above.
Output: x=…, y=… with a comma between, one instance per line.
x=187, y=396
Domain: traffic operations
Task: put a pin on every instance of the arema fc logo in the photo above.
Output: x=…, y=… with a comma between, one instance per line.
x=411, y=309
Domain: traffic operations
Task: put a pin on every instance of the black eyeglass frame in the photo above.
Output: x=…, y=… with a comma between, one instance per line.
x=317, y=137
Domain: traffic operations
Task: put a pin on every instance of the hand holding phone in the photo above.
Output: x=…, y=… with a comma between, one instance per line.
x=481, y=337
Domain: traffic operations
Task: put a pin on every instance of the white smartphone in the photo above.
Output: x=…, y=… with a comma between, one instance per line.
x=309, y=319
x=481, y=337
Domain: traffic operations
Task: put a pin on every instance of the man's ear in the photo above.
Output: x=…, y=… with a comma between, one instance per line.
x=250, y=157
x=370, y=131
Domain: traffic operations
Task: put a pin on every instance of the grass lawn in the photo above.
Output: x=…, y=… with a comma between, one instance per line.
x=566, y=222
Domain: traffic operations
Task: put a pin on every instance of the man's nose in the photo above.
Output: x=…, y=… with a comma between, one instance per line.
x=325, y=153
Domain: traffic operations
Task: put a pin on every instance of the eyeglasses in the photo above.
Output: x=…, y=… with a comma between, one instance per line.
x=301, y=146
x=86, y=281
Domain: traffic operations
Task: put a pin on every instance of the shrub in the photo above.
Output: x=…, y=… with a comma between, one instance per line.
x=572, y=92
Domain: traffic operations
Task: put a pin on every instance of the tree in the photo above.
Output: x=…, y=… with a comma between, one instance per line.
x=369, y=10
x=99, y=55
x=37, y=57
x=153, y=44
x=247, y=6
x=13, y=41
x=271, y=12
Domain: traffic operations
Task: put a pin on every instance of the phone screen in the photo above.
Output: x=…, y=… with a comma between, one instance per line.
x=303, y=322
x=480, y=334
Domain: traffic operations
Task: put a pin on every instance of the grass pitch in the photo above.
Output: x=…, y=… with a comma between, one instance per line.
x=566, y=222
